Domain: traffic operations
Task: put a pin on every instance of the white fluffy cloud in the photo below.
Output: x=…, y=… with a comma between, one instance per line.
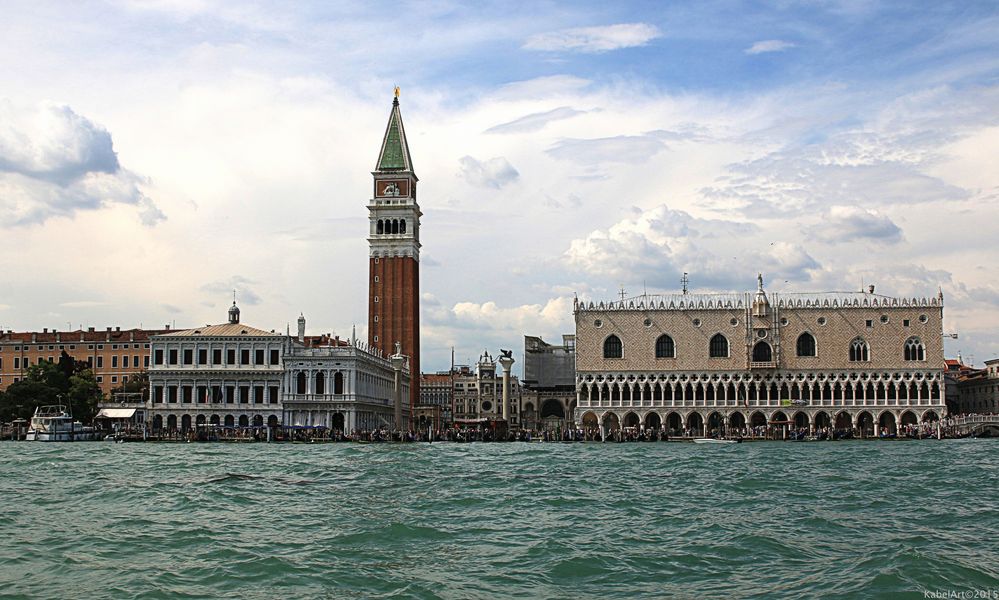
x=493, y=173
x=54, y=162
x=660, y=244
x=768, y=46
x=594, y=39
x=841, y=223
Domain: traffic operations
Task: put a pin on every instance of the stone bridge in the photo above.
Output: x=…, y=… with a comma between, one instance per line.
x=971, y=426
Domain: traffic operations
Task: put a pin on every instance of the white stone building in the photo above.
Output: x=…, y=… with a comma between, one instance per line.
x=342, y=385
x=229, y=375
x=711, y=362
x=478, y=396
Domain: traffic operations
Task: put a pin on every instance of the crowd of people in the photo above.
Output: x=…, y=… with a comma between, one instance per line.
x=485, y=433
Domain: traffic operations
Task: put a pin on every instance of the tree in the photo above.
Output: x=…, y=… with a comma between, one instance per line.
x=138, y=384
x=67, y=382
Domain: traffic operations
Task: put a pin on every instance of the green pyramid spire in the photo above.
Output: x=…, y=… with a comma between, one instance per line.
x=394, y=155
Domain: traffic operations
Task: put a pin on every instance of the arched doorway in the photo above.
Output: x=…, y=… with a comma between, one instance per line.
x=674, y=422
x=611, y=422
x=865, y=422
x=715, y=423
x=338, y=422
x=653, y=421
x=631, y=420
x=200, y=420
x=213, y=420
x=737, y=422
x=822, y=420
x=843, y=421
x=886, y=424
x=930, y=416
x=258, y=420
x=244, y=421
x=552, y=408
x=172, y=423
x=908, y=419
x=695, y=424
x=229, y=421
x=800, y=420
x=758, y=419
x=272, y=421
x=157, y=422
x=590, y=421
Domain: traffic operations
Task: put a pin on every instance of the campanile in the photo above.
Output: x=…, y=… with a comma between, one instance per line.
x=394, y=251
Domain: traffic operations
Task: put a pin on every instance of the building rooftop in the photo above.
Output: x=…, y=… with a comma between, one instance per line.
x=224, y=330
x=728, y=301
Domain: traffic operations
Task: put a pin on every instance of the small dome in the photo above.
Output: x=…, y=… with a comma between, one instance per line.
x=233, y=313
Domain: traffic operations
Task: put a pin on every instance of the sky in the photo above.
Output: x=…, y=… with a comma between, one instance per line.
x=157, y=154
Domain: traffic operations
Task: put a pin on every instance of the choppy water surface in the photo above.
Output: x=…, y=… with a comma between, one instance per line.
x=853, y=519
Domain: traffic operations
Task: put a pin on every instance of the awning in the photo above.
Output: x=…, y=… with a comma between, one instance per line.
x=116, y=413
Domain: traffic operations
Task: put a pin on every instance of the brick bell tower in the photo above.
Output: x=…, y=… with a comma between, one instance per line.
x=394, y=251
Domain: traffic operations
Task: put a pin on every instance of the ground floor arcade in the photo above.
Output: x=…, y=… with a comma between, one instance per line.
x=762, y=422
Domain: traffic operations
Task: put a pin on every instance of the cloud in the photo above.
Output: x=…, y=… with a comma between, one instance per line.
x=494, y=173
x=471, y=327
x=629, y=149
x=768, y=46
x=660, y=244
x=594, y=39
x=54, y=162
x=82, y=304
x=239, y=284
x=844, y=223
x=536, y=121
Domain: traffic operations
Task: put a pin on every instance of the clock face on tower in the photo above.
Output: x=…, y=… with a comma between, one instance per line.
x=391, y=188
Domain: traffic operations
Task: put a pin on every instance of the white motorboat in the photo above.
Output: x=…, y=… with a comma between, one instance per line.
x=55, y=424
x=715, y=441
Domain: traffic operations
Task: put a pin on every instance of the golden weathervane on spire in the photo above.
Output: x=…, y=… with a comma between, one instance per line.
x=396, y=91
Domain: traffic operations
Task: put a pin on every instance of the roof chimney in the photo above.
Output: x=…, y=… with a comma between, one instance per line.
x=90, y=329
x=45, y=329
x=870, y=288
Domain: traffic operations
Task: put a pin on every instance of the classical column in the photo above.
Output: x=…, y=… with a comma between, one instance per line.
x=398, y=362
x=506, y=361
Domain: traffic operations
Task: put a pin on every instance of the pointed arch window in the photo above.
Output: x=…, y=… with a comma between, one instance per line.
x=718, y=347
x=665, y=348
x=762, y=352
x=914, y=349
x=859, y=350
x=613, y=347
x=806, y=344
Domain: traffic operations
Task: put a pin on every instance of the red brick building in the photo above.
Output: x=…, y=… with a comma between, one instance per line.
x=394, y=251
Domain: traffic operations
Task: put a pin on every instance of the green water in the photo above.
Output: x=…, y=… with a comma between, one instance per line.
x=845, y=519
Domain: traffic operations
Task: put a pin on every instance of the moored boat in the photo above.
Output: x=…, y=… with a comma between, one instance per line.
x=715, y=441
x=55, y=424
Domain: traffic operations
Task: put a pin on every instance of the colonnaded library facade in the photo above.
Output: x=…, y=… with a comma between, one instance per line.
x=712, y=362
